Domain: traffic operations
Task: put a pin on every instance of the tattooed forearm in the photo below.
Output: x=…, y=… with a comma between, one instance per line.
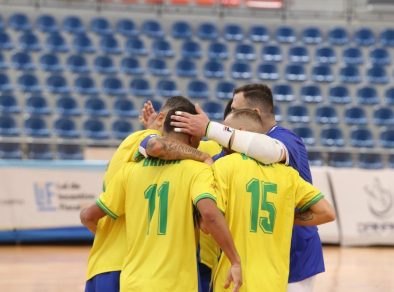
x=304, y=216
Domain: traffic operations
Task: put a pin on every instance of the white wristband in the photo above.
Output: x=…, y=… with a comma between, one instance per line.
x=219, y=133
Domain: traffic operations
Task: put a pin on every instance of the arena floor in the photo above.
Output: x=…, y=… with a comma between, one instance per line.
x=62, y=268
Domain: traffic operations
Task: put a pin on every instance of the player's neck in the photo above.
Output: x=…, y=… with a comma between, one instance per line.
x=268, y=124
x=179, y=137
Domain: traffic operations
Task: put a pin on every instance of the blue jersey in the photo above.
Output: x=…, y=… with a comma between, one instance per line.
x=306, y=254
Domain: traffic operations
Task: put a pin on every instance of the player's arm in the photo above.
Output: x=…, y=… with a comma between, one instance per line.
x=319, y=213
x=90, y=216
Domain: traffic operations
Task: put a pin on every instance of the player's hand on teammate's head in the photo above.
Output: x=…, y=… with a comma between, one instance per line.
x=148, y=115
x=235, y=276
x=194, y=125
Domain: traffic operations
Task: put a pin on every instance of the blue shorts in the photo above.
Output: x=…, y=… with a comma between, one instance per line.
x=105, y=282
x=204, y=274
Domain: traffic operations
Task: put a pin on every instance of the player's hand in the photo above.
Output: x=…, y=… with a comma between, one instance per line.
x=194, y=125
x=235, y=276
x=148, y=115
x=208, y=161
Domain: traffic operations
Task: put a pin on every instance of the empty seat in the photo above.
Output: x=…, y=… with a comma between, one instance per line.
x=259, y=33
x=326, y=114
x=361, y=137
x=380, y=56
x=181, y=30
x=22, y=61
x=340, y=159
x=377, y=75
x=386, y=138
x=298, y=54
x=353, y=56
x=28, y=41
x=158, y=67
x=5, y=41
x=66, y=128
x=383, y=116
x=186, y=68
x=322, y=73
x=46, y=23
x=339, y=94
x=85, y=85
x=338, y=36
x=167, y=88
x=67, y=106
x=367, y=95
x=245, y=52
x=50, y=62
x=29, y=83
x=332, y=137
x=391, y=161
x=8, y=104
x=73, y=24
x=349, y=74
x=37, y=105
x=277, y=114
x=224, y=89
x=95, y=106
x=100, y=25
x=131, y=66
x=295, y=72
x=214, y=69
x=285, y=34
x=315, y=158
x=104, y=65
x=83, y=44
x=241, y=70
x=152, y=29
x=355, y=115
x=207, y=31
x=39, y=151
x=10, y=151
x=387, y=37
x=8, y=126
x=364, y=37
x=312, y=35
x=135, y=46
x=268, y=71
x=272, y=53
x=217, y=50
x=127, y=28
x=370, y=161
x=233, y=32
x=213, y=109
x=19, y=21
x=95, y=129
x=198, y=89
x=388, y=96
x=283, y=92
x=109, y=45
x=191, y=49
x=141, y=87
x=325, y=55
x=124, y=107
x=55, y=42
x=307, y=135
x=156, y=105
x=77, y=64
x=162, y=49
x=298, y=114
x=57, y=84
x=311, y=93
x=36, y=127
x=69, y=152
x=121, y=129
x=113, y=86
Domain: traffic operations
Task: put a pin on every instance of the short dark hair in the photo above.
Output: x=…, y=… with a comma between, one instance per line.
x=227, y=109
x=191, y=109
x=246, y=114
x=176, y=101
x=257, y=94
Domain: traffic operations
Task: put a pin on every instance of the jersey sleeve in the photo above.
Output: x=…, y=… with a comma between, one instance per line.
x=220, y=171
x=306, y=194
x=141, y=153
x=203, y=185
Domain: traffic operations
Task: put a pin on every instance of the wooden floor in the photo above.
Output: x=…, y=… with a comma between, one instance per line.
x=57, y=269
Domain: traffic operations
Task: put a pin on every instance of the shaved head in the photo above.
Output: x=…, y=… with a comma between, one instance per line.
x=245, y=119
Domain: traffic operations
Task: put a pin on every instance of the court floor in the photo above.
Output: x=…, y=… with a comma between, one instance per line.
x=62, y=268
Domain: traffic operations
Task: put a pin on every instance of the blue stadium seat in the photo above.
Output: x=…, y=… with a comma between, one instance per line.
x=340, y=159
x=109, y=45
x=353, y=56
x=224, y=89
x=259, y=33
x=8, y=104
x=121, y=129
x=391, y=161
x=325, y=55
x=158, y=67
x=3, y=63
x=104, y=65
x=28, y=41
x=295, y=72
x=67, y=106
x=156, y=104
x=19, y=22
x=37, y=105
x=191, y=49
x=283, y=92
x=315, y=158
x=186, y=68
x=364, y=37
x=272, y=53
x=386, y=138
x=311, y=93
x=167, y=88
x=141, y=87
x=10, y=151
x=370, y=161
x=55, y=42
x=367, y=95
x=57, y=84
x=124, y=107
x=113, y=86
x=5, y=85
x=127, y=28
x=377, y=75
x=278, y=114
x=77, y=64
x=379, y=56
x=339, y=94
x=387, y=37
x=36, y=127
x=22, y=61
x=131, y=66
x=198, y=89
x=152, y=29
x=349, y=74
x=326, y=114
x=46, y=23
x=286, y=34
x=338, y=36
x=100, y=26
x=306, y=133
x=312, y=35
x=5, y=41
x=388, y=96
x=8, y=126
x=73, y=24
x=213, y=109
x=207, y=31
x=85, y=85
x=39, y=151
x=135, y=46
x=383, y=116
x=217, y=50
x=2, y=25
x=95, y=129
x=322, y=73
x=29, y=83
x=361, y=137
x=233, y=32
x=83, y=44
x=298, y=54
x=66, y=128
x=214, y=69
x=355, y=115
x=69, y=152
x=332, y=137
x=162, y=49
x=181, y=30
x=245, y=52
x=298, y=114
x=50, y=63
x=96, y=107
x=268, y=71
x=241, y=70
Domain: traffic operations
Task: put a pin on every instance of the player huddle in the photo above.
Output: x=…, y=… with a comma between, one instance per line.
x=179, y=215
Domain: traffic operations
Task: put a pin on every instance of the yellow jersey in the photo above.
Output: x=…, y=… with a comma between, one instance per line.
x=156, y=198
x=259, y=202
x=109, y=245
